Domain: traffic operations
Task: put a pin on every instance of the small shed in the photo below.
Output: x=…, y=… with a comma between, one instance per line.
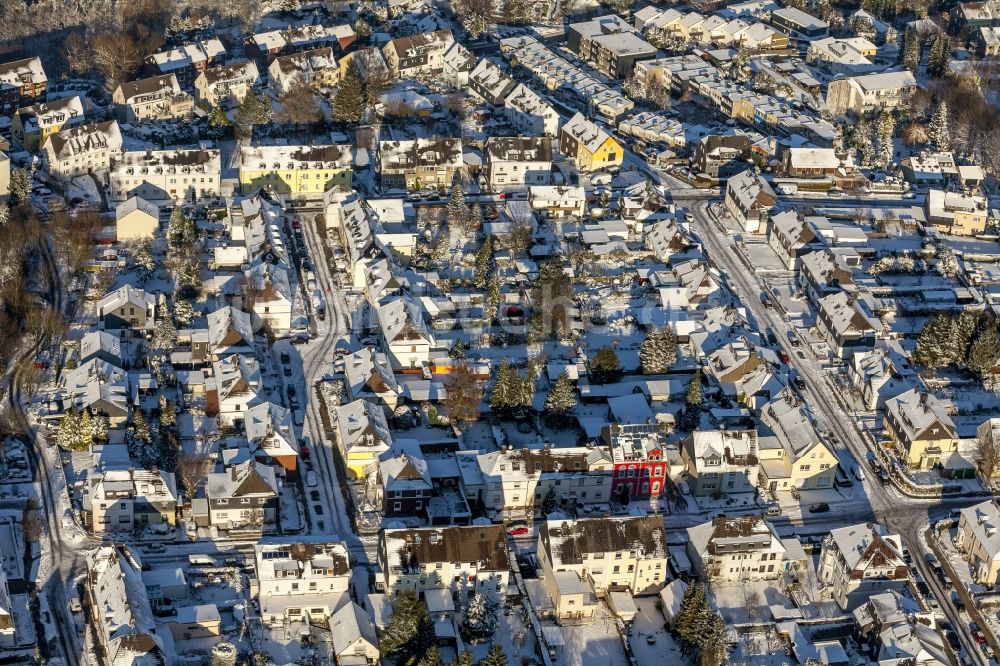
x=622, y=605
x=671, y=597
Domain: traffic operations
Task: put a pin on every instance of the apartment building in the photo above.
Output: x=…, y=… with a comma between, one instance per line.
x=464, y=560
x=584, y=559
x=187, y=61
x=490, y=83
x=870, y=94
x=558, y=200
x=127, y=307
x=362, y=435
x=82, y=149
x=741, y=548
x=882, y=373
x=300, y=172
x=956, y=213
x=418, y=55
x=798, y=24
x=792, y=455
x=721, y=462
x=226, y=85
x=846, y=322
x=300, y=581
x=749, y=198
x=154, y=98
x=122, y=500
x=518, y=161
x=32, y=125
x=22, y=82
x=641, y=461
x=842, y=55
x=243, y=497
x=316, y=68
x=166, y=175
x=413, y=164
x=515, y=482
x=859, y=561
x=530, y=114
x=124, y=627
x=610, y=44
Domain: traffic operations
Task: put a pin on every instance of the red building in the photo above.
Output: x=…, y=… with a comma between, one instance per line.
x=640, y=461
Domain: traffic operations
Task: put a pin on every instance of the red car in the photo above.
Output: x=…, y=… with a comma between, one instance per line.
x=784, y=357
x=304, y=452
x=518, y=531
x=502, y=195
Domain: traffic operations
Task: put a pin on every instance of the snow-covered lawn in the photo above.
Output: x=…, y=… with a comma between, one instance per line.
x=594, y=644
x=648, y=623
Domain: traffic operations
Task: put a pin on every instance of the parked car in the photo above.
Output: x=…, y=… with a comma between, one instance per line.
x=772, y=339
x=519, y=531
x=311, y=479
x=792, y=338
x=285, y=358
x=304, y=452
x=923, y=588
x=952, y=639
x=783, y=355
x=822, y=507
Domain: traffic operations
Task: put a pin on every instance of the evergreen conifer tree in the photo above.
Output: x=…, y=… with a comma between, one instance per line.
x=562, y=397
x=349, y=102
x=940, y=127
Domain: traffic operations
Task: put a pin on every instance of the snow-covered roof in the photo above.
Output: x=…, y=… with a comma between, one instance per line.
x=568, y=542
x=362, y=424
x=137, y=203
x=867, y=545
x=187, y=55
x=402, y=468
x=230, y=330
x=916, y=411
x=585, y=132
x=350, y=624
x=121, y=610
x=248, y=479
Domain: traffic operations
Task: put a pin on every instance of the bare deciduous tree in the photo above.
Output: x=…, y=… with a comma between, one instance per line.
x=299, y=106
x=464, y=391
x=192, y=468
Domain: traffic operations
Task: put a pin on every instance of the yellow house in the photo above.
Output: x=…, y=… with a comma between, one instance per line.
x=956, y=213
x=362, y=435
x=589, y=145
x=918, y=426
x=298, y=171
x=32, y=125
x=196, y=622
x=136, y=219
x=792, y=456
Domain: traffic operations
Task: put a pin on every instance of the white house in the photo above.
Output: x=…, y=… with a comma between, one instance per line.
x=301, y=581
x=176, y=175
x=464, y=560
x=530, y=114
x=861, y=560
x=123, y=621
x=82, y=149
x=741, y=548
x=748, y=199
x=518, y=161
